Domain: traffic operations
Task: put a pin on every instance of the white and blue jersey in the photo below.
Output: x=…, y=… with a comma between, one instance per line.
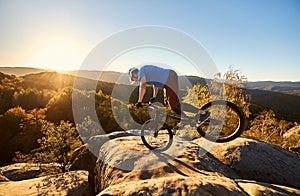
x=154, y=75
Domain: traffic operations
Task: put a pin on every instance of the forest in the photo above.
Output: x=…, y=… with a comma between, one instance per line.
x=37, y=122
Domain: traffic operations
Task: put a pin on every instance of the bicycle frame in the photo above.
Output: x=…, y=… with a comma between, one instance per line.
x=185, y=120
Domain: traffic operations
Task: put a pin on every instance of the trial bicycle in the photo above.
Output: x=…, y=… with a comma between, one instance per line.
x=227, y=122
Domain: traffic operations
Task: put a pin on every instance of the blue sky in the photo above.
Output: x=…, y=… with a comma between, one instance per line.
x=259, y=37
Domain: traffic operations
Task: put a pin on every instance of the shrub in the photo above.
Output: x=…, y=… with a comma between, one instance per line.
x=57, y=143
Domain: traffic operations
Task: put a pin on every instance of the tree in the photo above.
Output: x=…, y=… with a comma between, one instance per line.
x=231, y=85
x=30, y=99
x=19, y=131
x=8, y=85
x=57, y=143
x=266, y=127
x=60, y=106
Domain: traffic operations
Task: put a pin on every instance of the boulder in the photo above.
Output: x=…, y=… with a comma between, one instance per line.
x=259, y=161
x=292, y=139
x=177, y=185
x=126, y=159
x=23, y=171
x=261, y=189
x=293, y=132
x=69, y=183
x=126, y=167
x=200, y=185
x=83, y=159
x=3, y=178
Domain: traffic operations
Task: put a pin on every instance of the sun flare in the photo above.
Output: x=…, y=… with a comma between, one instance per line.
x=58, y=56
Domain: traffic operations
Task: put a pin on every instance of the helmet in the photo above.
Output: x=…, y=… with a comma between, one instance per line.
x=131, y=71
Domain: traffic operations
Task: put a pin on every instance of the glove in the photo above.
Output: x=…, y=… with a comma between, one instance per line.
x=151, y=100
x=139, y=104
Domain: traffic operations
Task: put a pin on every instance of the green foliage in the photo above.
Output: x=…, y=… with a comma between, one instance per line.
x=57, y=143
x=47, y=80
x=8, y=85
x=19, y=131
x=233, y=84
x=60, y=106
x=139, y=115
x=230, y=85
x=266, y=127
x=105, y=107
x=30, y=99
x=88, y=128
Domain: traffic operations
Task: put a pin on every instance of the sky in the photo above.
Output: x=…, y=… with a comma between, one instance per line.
x=258, y=37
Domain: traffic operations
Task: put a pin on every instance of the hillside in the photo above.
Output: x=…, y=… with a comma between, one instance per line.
x=20, y=71
x=281, y=97
x=292, y=88
x=107, y=76
x=285, y=106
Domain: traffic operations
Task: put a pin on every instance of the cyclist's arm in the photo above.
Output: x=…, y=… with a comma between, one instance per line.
x=155, y=90
x=142, y=89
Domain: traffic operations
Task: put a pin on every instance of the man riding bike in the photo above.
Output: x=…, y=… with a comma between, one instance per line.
x=161, y=78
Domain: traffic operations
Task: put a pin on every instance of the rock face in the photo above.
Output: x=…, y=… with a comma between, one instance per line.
x=83, y=159
x=259, y=188
x=70, y=183
x=292, y=139
x=24, y=171
x=178, y=185
x=259, y=161
x=126, y=159
x=126, y=167
x=293, y=132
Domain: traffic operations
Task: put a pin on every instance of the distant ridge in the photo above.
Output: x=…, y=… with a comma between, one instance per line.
x=286, y=87
x=20, y=71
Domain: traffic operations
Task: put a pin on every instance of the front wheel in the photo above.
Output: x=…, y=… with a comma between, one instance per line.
x=154, y=138
x=227, y=121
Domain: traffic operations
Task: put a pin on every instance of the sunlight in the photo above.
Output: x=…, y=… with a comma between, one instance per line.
x=58, y=56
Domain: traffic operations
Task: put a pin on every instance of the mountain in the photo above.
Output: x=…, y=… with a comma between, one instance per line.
x=20, y=71
x=285, y=106
x=292, y=88
x=107, y=76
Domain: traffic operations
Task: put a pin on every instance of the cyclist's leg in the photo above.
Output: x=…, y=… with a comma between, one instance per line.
x=172, y=92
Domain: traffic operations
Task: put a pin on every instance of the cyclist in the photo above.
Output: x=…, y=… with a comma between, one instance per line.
x=161, y=78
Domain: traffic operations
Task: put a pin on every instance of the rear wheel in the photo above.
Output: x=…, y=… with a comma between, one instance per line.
x=154, y=138
x=227, y=121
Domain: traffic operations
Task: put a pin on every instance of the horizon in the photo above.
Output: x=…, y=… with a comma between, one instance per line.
x=259, y=38
x=64, y=72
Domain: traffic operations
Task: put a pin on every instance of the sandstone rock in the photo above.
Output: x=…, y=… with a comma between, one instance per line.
x=23, y=171
x=126, y=159
x=261, y=189
x=3, y=178
x=293, y=132
x=292, y=139
x=83, y=159
x=94, y=143
x=178, y=185
x=259, y=161
x=70, y=183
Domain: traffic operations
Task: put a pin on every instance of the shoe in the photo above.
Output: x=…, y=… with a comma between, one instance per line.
x=204, y=117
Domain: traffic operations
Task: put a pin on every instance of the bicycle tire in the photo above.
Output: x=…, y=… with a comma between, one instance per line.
x=150, y=124
x=236, y=111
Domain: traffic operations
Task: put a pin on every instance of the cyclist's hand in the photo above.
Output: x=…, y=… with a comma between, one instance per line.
x=139, y=105
x=151, y=100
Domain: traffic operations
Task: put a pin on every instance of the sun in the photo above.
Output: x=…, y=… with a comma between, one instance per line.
x=58, y=56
